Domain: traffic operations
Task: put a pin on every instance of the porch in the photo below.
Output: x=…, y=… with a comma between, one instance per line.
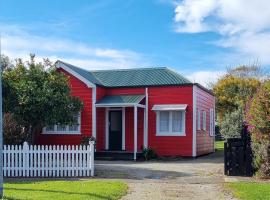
x=122, y=126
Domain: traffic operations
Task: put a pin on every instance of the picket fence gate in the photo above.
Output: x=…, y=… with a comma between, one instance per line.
x=48, y=160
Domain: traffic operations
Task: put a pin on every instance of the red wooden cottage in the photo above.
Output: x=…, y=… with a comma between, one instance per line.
x=128, y=109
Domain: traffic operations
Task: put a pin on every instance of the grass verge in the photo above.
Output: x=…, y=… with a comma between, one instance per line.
x=219, y=145
x=250, y=191
x=64, y=190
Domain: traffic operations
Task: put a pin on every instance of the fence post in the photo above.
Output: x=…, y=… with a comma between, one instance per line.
x=91, y=143
x=25, y=159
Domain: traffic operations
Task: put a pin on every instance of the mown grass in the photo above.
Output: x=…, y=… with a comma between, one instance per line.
x=64, y=190
x=219, y=145
x=250, y=191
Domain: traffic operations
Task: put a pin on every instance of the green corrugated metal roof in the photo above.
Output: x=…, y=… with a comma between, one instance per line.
x=121, y=99
x=131, y=77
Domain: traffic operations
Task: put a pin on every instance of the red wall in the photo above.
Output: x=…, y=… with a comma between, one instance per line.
x=170, y=145
x=80, y=90
x=164, y=145
x=205, y=142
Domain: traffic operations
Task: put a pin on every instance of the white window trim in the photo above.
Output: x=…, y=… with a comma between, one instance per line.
x=66, y=132
x=199, y=119
x=211, y=123
x=204, y=120
x=171, y=133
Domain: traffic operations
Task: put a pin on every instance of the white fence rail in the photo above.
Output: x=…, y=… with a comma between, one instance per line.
x=48, y=161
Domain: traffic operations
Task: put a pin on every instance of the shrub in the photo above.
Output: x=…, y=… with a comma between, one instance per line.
x=259, y=125
x=12, y=131
x=149, y=153
x=86, y=139
x=232, y=124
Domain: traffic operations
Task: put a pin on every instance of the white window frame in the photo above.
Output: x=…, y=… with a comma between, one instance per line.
x=63, y=132
x=211, y=124
x=198, y=119
x=204, y=120
x=171, y=133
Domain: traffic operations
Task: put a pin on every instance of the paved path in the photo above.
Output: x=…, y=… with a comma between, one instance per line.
x=201, y=178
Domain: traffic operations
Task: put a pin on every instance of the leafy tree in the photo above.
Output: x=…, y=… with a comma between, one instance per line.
x=232, y=92
x=38, y=95
x=13, y=132
x=5, y=62
x=232, y=124
x=245, y=71
x=258, y=117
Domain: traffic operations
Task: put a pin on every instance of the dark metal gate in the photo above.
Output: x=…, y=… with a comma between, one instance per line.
x=238, y=156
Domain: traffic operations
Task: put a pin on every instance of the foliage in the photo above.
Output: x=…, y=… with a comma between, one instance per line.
x=13, y=132
x=258, y=116
x=149, y=153
x=232, y=124
x=248, y=71
x=233, y=92
x=5, y=62
x=65, y=190
x=38, y=95
x=86, y=139
x=260, y=161
x=250, y=191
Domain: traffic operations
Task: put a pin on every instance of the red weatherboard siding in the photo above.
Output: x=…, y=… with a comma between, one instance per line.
x=80, y=90
x=130, y=129
x=124, y=91
x=100, y=120
x=170, y=145
x=205, y=142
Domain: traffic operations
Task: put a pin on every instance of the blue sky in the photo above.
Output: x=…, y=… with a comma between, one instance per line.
x=199, y=39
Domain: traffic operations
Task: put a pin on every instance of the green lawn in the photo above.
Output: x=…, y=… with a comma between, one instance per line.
x=251, y=191
x=219, y=145
x=73, y=190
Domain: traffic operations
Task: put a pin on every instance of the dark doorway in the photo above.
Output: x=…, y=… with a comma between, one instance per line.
x=115, y=130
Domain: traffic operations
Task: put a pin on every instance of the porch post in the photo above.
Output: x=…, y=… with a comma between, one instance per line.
x=135, y=131
x=145, y=133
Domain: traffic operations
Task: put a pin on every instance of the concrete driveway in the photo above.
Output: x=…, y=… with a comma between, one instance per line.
x=201, y=178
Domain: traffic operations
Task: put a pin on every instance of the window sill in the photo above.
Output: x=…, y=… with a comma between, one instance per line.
x=61, y=133
x=171, y=134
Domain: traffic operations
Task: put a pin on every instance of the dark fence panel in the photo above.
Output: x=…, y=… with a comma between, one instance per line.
x=238, y=156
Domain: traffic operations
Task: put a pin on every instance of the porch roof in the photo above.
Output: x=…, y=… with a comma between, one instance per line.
x=120, y=100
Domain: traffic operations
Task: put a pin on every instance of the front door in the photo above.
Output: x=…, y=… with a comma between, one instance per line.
x=115, y=130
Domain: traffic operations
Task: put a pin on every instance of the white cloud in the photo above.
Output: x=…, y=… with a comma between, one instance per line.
x=205, y=78
x=18, y=43
x=190, y=15
x=244, y=25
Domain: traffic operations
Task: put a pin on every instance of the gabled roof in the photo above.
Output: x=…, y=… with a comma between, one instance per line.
x=138, y=77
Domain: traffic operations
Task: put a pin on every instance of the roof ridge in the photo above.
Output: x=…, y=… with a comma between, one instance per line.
x=129, y=69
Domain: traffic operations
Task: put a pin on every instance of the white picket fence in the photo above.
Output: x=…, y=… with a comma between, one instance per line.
x=48, y=160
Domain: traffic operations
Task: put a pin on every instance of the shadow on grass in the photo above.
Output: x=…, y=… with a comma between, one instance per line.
x=31, y=180
x=55, y=191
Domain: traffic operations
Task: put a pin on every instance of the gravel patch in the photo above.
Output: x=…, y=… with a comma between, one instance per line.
x=201, y=178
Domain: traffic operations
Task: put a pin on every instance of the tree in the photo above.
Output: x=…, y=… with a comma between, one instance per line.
x=38, y=95
x=5, y=62
x=232, y=124
x=232, y=92
x=258, y=117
